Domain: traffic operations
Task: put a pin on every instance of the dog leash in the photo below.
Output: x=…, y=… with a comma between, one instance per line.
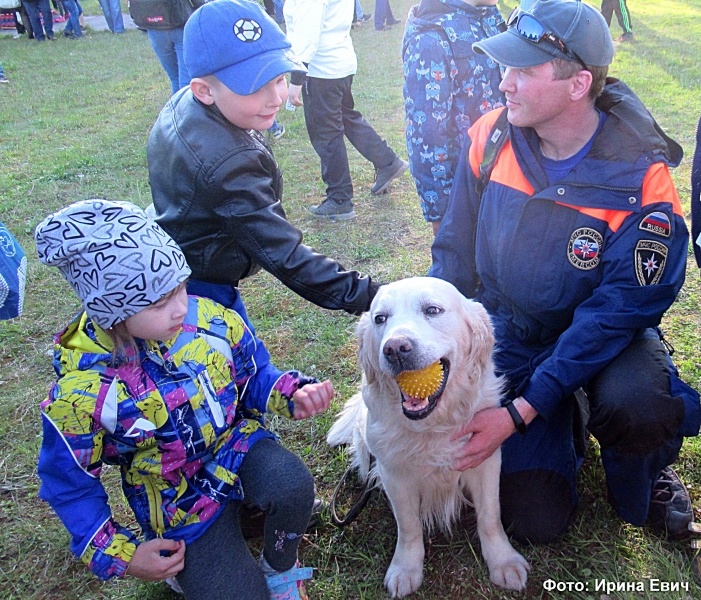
x=358, y=505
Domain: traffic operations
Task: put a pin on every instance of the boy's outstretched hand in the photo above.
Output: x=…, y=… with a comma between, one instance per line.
x=312, y=399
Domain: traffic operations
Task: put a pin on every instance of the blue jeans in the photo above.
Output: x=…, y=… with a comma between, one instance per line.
x=168, y=46
x=112, y=10
x=359, y=14
x=383, y=13
x=279, y=17
x=34, y=7
x=72, y=24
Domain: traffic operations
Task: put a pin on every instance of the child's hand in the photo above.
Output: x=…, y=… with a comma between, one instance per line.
x=312, y=399
x=148, y=562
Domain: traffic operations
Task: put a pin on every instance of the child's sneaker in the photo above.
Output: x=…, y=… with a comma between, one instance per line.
x=277, y=130
x=289, y=585
x=174, y=585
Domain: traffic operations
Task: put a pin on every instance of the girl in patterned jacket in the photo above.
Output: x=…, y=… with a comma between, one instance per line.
x=173, y=389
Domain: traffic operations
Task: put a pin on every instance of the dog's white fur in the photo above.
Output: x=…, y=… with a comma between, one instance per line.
x=430, y=320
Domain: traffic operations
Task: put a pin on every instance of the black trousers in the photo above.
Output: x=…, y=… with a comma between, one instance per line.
x=329, y=110
x=638, y=409
x=608, y=7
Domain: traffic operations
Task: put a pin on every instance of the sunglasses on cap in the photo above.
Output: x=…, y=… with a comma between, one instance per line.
x=527, y=26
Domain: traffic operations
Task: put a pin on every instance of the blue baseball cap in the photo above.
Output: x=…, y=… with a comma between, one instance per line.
x=236, y=41
x=541, y=31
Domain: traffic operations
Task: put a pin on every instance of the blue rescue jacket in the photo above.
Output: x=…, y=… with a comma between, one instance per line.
x=568, y=272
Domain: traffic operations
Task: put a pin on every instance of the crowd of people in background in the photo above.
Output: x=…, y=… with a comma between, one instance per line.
x=37, y=18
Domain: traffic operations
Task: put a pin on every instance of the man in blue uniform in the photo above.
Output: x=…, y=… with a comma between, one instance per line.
x=576, y=247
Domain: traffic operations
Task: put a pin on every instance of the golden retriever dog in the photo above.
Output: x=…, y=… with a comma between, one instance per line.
x=413, y=324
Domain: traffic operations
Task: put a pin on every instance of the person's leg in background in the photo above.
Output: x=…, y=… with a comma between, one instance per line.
x=176, y=36
x=24, y=17
x=81, y=17
x=368, y=142
x=360, y=15
x=105, y=6
x=623, y=16
x=117, y=19
x=279, y=16
x=112, y=10
x=32, y=9
x=72, y=28
x=383, y=15
x=277, y=130
x=19, y=27
x=58, y=5
x=162, y=45
x=45, y=10
x=323, y=114
x=608, y=7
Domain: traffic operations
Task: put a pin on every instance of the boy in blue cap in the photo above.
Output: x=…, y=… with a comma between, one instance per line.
x=216, y=187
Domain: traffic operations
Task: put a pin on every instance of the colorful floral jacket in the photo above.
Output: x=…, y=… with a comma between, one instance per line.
x=178, y=420
x=447, y=87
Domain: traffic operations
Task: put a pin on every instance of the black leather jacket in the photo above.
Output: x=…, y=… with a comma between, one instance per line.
x=217, y=191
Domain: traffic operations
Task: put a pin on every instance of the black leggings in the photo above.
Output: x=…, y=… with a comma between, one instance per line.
x=219, y=564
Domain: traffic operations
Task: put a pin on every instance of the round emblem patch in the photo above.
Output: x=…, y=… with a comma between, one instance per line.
x=584, y=249
x=247, y=30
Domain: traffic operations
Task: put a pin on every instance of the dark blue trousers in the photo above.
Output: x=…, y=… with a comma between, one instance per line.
x=637, y=408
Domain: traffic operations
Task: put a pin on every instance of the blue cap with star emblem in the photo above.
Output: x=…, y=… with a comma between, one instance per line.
x=238, y=43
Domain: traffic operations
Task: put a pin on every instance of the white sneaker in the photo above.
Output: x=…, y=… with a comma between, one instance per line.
x=174, y=585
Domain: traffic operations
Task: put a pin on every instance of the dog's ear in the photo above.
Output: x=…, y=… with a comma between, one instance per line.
x=480, y=333
x=367, y=352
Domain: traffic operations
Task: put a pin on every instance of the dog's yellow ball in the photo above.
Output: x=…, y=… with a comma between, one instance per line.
x=422, y=383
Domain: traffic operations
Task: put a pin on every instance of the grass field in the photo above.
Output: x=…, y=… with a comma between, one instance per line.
x=74, y=124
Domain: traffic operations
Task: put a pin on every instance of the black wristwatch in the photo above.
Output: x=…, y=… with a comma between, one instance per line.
x=521, y=426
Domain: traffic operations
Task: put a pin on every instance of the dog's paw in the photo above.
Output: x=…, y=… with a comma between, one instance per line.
x=511, y=574
x=401, y=582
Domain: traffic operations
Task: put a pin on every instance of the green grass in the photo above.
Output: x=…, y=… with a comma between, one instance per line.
x=74, y=124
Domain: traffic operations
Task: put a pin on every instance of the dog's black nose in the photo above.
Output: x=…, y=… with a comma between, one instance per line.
x=398, y=348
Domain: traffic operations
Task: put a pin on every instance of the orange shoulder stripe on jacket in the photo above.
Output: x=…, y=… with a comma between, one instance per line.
x=614, y=218
x=657, y=184
x=478, y=135
x=508, y=173
x=659, y=187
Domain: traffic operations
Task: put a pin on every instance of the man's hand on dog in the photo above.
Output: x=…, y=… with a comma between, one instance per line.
x=485, y=432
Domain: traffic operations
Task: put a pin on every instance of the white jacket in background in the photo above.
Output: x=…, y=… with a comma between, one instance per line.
x=319, y=31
